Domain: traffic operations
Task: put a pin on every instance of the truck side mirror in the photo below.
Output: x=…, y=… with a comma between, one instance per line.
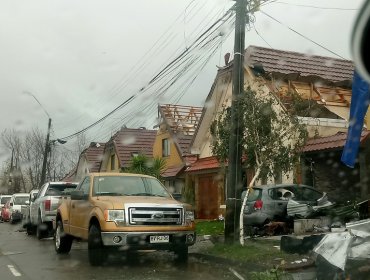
x=77, y=195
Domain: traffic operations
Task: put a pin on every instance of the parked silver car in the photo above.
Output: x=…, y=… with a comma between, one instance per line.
x=268, y=203
x=44, y=206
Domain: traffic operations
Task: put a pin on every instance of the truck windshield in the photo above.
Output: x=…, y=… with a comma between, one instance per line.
x=20, y=200
x=129, y=185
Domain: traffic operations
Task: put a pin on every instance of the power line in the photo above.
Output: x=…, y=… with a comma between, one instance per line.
x=130, y=117
x=200, y=42
x=315, y=7
x=255, y=29
x=156, y=48
x=303, y=36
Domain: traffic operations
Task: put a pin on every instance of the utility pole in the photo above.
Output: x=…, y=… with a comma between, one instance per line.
x=234, y=179
x=44, y=163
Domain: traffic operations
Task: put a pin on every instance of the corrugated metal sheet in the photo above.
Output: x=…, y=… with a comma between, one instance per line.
x=298, y=209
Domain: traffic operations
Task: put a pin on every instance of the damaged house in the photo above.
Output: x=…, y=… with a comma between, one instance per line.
x=324, y=83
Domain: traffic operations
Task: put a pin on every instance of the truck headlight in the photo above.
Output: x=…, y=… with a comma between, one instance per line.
x=189, y=216
x=114, y=215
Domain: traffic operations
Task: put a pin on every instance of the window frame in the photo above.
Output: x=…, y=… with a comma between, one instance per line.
x=166, y=151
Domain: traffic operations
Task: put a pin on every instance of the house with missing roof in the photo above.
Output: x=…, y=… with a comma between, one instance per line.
x=176, y=127
x=125, y=144
x=324, y=82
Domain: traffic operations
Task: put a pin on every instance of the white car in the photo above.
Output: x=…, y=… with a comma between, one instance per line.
x=3, y=199
x=16, y=202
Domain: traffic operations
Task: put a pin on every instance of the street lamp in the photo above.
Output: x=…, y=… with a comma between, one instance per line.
x=47, y=142
x=47, y=151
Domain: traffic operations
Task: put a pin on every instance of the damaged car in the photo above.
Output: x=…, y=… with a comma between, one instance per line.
x=268, y=203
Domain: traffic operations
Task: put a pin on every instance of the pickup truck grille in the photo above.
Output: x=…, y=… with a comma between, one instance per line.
x=155, y=216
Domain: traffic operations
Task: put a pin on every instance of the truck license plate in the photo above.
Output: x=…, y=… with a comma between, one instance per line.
x=160, y=239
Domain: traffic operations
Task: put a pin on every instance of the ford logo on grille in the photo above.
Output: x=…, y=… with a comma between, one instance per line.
x=158, y=216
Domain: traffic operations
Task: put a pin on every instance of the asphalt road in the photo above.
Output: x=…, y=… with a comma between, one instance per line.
x=25, y=257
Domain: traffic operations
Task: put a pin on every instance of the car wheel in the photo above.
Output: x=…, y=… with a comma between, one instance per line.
x=181, y=254
x=62, y=241
x=96, y=249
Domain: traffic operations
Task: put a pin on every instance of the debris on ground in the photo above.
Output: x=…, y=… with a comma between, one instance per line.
x=335, y=249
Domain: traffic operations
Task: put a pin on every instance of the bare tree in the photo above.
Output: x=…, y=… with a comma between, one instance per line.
x=32, y=156
x=12, y=141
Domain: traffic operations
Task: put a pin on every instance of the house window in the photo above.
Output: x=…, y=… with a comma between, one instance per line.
x=165, y=147
x=112, y=162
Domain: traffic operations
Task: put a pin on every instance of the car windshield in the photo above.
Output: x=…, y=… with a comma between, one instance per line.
x=210, y=98
x=5, y=200
x=20, y=200
x=128, y=185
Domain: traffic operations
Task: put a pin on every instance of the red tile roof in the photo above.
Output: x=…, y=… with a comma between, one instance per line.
x=128, y=141
x=94, y=156
x=336, y=141
x=204, y=164
x=288, y=62
x=190, y=159
x=183, y=142
x=172, y=171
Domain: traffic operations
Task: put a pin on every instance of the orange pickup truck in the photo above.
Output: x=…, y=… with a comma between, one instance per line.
x=123, y=212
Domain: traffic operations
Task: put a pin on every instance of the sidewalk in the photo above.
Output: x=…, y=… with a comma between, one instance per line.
x=204, y=243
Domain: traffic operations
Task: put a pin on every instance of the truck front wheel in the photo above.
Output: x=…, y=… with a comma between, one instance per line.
x=181, y=254
x=62, y=241
x=96, y=249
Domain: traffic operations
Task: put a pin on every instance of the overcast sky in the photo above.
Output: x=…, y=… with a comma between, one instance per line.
x=76, y=57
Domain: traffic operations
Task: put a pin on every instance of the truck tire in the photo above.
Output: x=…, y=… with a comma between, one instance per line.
x=30, y=229
x=62, y=241
x=181, y=254
x=41, y=230
x=96, y=249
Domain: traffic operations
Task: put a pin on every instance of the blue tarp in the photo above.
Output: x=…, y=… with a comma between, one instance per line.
x=359, y=105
